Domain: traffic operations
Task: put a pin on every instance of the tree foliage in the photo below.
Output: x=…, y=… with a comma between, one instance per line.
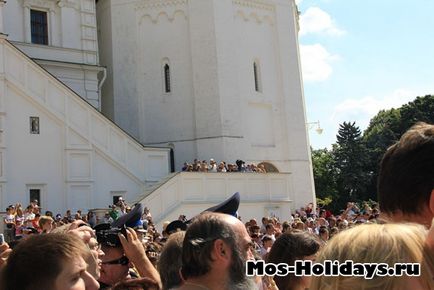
x=350, y=157
x=348, y=172
x=387, y=126
x=325, y=173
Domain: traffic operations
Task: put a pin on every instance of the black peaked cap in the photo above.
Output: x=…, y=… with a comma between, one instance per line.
x=130, y=219
x=228, y=206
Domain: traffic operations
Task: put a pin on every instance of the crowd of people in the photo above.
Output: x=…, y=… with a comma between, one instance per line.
x=210, y=251
x=222, y=166
x=19, y=222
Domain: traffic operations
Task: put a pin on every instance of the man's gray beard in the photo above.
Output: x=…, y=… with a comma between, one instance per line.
x=247, y=284
x=238, y=279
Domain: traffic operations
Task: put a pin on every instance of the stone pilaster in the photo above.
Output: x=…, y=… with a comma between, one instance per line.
x=2, y=3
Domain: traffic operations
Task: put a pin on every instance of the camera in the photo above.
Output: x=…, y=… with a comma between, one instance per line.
x=109, y=236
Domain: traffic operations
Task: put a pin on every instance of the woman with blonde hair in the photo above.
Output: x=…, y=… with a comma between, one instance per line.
x=372, y=243
x=46, y=224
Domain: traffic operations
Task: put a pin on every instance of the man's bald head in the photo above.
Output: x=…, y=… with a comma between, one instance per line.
x=200, y=237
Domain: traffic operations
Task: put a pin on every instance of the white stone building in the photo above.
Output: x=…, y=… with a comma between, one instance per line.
x=55, y=146
x=207, y=78
x=66, y=44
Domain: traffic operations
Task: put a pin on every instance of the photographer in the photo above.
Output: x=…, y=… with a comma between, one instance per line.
x=123, y=249
x=121, y=204
x=9, y=221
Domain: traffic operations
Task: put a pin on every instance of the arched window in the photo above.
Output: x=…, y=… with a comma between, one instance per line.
x=269, y=167
x=167, y=88
x=257, y=76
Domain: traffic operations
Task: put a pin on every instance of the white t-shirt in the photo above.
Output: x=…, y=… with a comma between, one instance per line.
x=9, y=218
x=212, y=168
x=29, y=216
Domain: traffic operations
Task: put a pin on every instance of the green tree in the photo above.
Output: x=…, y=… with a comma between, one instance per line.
x=419, y=110
x=351, y=163
x=349, y=171
x=384, y=130
x=324, y=174
x=387, y=127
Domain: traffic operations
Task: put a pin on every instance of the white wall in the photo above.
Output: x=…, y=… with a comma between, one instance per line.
x=105, y=39
x=190, y=193
x=109, y=178
x=31, y=158
x=213, y=110
x=256, y=34
x=84, y=80
x=211, y=46
x=71, y=24
x=118, y=32
x=72, y=51
x=78, y=158
x=170, y=44
x=13, y=20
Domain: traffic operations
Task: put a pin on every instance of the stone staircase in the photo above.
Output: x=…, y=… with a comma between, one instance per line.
x=190, y=193
x=91, y=143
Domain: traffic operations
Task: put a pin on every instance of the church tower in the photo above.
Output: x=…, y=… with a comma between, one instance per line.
x=209, y=78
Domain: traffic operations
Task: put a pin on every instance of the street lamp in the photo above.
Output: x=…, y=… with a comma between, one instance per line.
x=316, y=125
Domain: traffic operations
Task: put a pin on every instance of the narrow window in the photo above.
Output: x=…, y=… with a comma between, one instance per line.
x=34, y=125
x=167, y=78
x=256, y=76
x=39, y=27
x=118, y=196
x=35, y=195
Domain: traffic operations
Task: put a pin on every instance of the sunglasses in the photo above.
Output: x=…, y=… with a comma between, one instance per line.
x=121, y=261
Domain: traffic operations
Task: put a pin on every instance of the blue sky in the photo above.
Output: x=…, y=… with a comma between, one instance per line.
x=359, y=57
